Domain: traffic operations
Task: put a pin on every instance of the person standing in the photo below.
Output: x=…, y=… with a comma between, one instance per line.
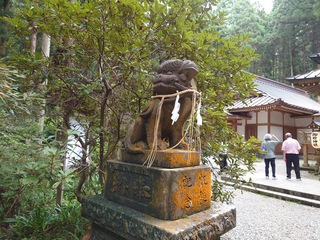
x=223, y=155
x=291, y=148
x=269, y=146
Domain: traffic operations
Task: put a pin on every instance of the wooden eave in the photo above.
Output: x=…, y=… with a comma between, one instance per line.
x=305, y=81
x=238, y=117
x=309, y=85
x=315, y=57
x=279, y=105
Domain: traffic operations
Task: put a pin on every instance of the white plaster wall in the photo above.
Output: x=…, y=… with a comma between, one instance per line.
x=263, y=117
x=275, y=117
x=262, y=130
x=241, y=128
x=74, y=151
x=288, y=120
x=303, y=122
x=277, y=131
x=253, y=118
x=300, y=134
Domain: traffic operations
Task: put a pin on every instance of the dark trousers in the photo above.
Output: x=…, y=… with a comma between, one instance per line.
x=271, y=161
x=293, y=159
x=223, y=161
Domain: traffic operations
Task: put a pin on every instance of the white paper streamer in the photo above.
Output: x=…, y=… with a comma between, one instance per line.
x=199, y=118
x=175, y=111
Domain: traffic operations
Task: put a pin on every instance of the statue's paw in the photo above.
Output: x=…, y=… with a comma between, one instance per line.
x=162, y=145
x=141, y=145
x=183, y=145
x=137, y=147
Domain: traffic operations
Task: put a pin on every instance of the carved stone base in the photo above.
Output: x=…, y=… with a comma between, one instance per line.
x=164, y=158
x=116, y=222
x=167, y=194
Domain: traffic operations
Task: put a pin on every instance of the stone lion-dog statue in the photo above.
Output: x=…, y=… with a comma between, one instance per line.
x=155, y=128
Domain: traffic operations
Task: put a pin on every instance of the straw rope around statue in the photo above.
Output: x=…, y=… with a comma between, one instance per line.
x=189, y=130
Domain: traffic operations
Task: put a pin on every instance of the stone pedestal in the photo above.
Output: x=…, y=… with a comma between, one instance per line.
x=112, y=221
x=167, y=194
x=165, y=159
x=171, y=200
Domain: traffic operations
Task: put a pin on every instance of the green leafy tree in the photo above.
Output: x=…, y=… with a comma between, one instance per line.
x=11, y=98
x=4, y=11
x=295, y=36
x=102, y=76
x=284, y=38
x=103, y=56
x=244, y=17
x=16, y=148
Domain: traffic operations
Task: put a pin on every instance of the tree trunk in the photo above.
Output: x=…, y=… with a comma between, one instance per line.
x=6, y=6
x=61, y=136
x=83, y=169
x=291, y=57
x=102, y=139
x=45, y=48
x=33, y=41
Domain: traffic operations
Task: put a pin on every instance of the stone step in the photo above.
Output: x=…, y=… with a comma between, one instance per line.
x=287, y=191
x=283, y=194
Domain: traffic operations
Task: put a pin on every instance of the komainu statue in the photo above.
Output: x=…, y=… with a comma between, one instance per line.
x=161, y=125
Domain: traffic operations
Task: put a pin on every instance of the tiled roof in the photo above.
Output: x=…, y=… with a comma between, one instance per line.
x=315, y=57
x=309, y=82
x=275, y=95
x=257, y=101
x=310, y=75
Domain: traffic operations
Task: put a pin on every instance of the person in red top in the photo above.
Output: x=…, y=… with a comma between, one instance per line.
x=291, y=148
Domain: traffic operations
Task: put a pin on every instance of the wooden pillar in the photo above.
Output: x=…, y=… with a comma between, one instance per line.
x=269, y=128
x=305, y=155
x=283, y=137
x=305, y=149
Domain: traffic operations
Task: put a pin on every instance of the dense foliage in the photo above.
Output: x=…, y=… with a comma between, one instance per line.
x=284, y=38
x=103, y=55
x=29, y=174
x=296, y=34
x=249, y=19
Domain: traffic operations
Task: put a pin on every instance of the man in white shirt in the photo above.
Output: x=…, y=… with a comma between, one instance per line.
x=291, y=148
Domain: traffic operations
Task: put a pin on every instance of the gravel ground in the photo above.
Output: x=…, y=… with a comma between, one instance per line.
x=261, y=217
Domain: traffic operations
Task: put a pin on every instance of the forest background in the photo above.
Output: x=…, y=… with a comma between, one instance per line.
x=92, y=61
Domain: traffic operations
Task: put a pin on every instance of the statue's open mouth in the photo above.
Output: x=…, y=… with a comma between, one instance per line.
x=162, y=88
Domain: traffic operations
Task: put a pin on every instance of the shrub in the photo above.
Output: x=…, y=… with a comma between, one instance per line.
x=50, y=222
